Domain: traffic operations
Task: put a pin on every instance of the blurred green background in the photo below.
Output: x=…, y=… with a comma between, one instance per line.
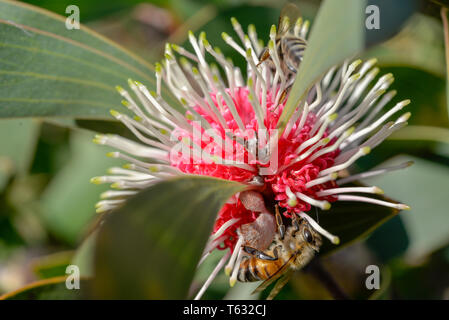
x=47, y=203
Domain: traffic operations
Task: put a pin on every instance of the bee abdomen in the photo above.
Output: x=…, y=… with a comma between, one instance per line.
x=248, y=271
x=254, y=269
x=293, y=52
x=295, y=48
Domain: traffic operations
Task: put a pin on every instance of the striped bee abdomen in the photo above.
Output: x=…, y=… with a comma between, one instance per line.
x=293, y=51
x=253, y=269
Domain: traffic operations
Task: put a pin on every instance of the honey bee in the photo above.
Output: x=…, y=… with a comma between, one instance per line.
x=289, y=44
x=292, y=248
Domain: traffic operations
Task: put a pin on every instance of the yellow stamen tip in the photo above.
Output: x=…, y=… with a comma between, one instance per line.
x=114, y=113
x=356, y=63
x=356, y=76
x=251, y=28
x=366, y=150
x=406, y=102
x=95, y=180
x=350, y=131
x=158, y=68
x=292, y=202
x=120, y=89
x=100, y=210
x=378, y=190
x=336, y=240
x=206, y=43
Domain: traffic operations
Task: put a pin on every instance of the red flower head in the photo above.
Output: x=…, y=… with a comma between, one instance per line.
x=227, y=128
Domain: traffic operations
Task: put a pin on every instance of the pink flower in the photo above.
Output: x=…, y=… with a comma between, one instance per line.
x=298, y=163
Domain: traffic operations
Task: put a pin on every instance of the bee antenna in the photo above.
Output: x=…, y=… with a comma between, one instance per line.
x=317, y=218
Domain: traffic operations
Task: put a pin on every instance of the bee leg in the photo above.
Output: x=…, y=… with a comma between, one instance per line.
x=264, y=56
x=275, y=253
x=259, y=254
x=283, y=96
x=281, y=226
x=295, y=222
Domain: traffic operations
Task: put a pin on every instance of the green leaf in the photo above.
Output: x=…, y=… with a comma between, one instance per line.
x=17, y=149
x=352, y=221
x=48, y=70
x=444, y=17
x=52, y=265
x=426, y=91
x=68, y=202
x=48, y=289
x=90, y=10
x=422, y=133
x=149, y=248
x=392, y=15
x=84, y=256
x=337, y=33
x=390, y=240
x=424, y=187
x=419, y=45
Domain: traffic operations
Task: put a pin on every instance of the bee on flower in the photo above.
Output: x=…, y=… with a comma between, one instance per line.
x=226, y=126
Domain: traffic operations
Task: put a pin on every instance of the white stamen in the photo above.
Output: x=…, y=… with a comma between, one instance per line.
x=361, y=152
x=228, y=39
x=223, y=228
x=373, y=173
x=212, y=276
x=327, y=192
x=333, y=146
x=375, y=124
x=230, y=264
x=319, y=229
x=292, y=201
x=321, y=180
x=318, y=136
x=116, y=194
x=233, y=278
x=324, y=205
x=398, y=206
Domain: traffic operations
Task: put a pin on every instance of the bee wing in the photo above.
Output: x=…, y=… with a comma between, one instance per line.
x=280, y=284
x=290, y=11
x=275, y=276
